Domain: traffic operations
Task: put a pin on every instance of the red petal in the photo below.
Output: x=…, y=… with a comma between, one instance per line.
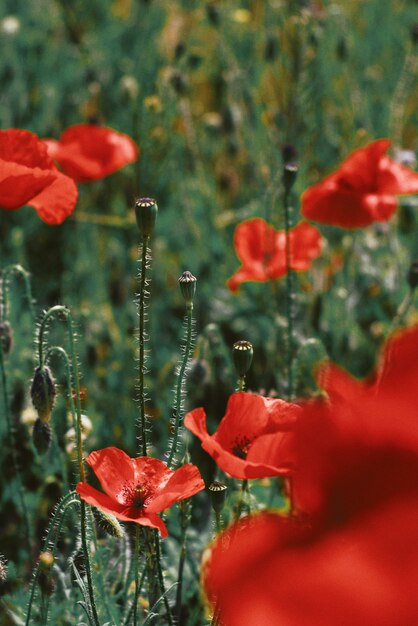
x=396, y=179
x=184, y=483
x=115, y=471
x=57, y=201
x=305, y=245
x=19, y=183
x=257, y=272
x=360, y=169
x=253, y=239
x=150, y=472
x=24, y=148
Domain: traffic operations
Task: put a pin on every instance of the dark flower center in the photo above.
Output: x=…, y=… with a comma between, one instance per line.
x=241, y=447
x=139, y=496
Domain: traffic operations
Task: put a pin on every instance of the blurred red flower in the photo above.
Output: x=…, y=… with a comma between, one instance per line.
x=137, y=489
x=29, y=176
x=262, y=250
x=351, y=557
x=90, y=152
x=361, y=191
x=252, y=439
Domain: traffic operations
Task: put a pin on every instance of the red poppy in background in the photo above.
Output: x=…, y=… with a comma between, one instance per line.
x=137, y=489
x=90, y=152
x=262, y=250
x=252, y=439
x=361, y=191
x=351, y=557
x=29, y=176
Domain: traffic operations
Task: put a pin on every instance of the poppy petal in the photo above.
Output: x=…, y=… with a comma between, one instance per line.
x=184, y=483
x=97, y=498
x=151, y=472
x=395, y=178
x=19, y=183
x=57, y=201
x=115, y=471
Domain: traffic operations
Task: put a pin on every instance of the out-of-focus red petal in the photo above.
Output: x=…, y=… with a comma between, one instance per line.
x=24, y=148
x=253, y=239
x=305, y=245
x=184, y=483
x=57, y=201
x=275, y=450
x=115, y=471
x=359, y=171
x=396, y=179
x=338, y=207
x=257, y=272
x=19, y=183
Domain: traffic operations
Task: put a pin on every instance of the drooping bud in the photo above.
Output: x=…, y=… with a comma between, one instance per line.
x=412, y=276
x=43, y=392
x=146, y=210
x=45, y=581
x=109, y=523
x=41, y=435
x=6, y=337
x=218, y=496
x=3, y=569
x=187, y=284
x=242, y=353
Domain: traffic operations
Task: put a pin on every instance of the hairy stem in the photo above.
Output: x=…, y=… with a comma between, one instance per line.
x=142, y=284
x=289, y=297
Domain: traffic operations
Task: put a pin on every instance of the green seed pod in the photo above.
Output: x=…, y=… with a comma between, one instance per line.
x=187, y=284
x=146, y=210
x=43, y=392
x=6, y=337
x=109, y=523
x=242, y=353
x=412, y=276
x=290, y=172
x=218, y=496
x=41, y=435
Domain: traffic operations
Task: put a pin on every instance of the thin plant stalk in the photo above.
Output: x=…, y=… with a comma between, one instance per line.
x=20, y=271
x=243, y=492
x=59, y=309
x=136, y=558
x=177, y=412
x=184, y=523
x=289, y=296
x=12, y=442
x=142, y=285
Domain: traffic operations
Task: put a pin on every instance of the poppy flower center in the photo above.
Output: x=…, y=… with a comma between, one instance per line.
x=139, y=496
x=241, y=447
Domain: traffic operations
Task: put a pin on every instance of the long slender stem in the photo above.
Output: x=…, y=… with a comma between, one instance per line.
x=12, y=443
x=161, y=579
x=289, y=297
x=184, y=522
x=142, y=284
x=136, y=559
x=177, y=412
x=243, y=491
x=18, y=269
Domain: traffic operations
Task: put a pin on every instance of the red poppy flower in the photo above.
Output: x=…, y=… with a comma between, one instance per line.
x=89, y=152
x=29, y=176
x=361, y=191
x=252, y=439
x=352, y=557
x=137, y=489
x=262, y=250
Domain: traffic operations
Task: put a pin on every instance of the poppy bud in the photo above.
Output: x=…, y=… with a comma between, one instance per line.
x=3, y=569
x=146, y=210
x=45, y=582
x=41, y=436
x=412, y=277
x=187, y=284
x=290, y=171
x=109, y=523
x=6, y=337
x=414, y=34
x=242, y=353
x=218, y=496
x=43, y=392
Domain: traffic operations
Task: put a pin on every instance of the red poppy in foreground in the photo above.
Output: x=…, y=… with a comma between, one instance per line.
x=29, y=176
x=352, y=556
x=252, y=439
x=361, y=191
x=137, y=489
x=90, y=152
x=262, y=250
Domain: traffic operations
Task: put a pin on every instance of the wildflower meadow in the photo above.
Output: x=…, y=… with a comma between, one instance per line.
x=208, y=323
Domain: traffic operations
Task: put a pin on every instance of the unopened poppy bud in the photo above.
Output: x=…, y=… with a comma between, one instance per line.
x=6, y=337
x=412, y=277
x=43, y=392
x=146, y=210
x=187, y=284
x=290, y=172
x=242, y=353
x=45, y=582
x=41, y=436
x=3, y=569
x=218, y=496
x=109, y=523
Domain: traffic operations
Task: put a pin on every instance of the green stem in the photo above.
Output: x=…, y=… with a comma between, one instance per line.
x=12, y=442
x=66, y=501
x=177, y=412
x=81, y=474
x=136, y=559
x=241, y=383
x=142, y=285
x=244, y=490
x=184, y=522
x=18, y=269
x=289, y=297
x=403, y=308
x=161, y=579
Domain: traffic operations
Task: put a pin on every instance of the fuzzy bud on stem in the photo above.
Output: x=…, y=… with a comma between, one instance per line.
x=187, y=284
x=6, y=337
x=43, y=392
x=146, y=210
